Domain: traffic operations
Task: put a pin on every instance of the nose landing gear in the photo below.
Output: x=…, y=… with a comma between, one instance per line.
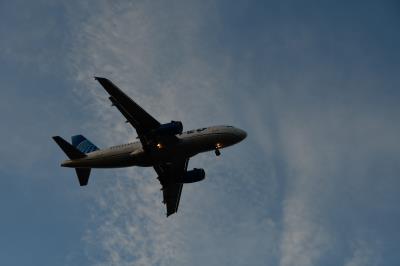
x=217, y=146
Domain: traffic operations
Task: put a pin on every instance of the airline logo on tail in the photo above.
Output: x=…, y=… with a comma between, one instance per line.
x=83, y=144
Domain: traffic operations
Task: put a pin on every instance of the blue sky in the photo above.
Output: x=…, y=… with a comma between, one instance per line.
x=314, y=83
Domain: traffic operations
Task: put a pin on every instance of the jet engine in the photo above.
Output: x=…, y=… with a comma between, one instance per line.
x=168, y=129
x=193, y=176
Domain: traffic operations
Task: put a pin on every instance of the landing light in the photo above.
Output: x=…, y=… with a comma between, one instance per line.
x=218, y=145
x=159, y=145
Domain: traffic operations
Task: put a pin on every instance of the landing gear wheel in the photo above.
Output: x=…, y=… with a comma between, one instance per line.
x=217, y=152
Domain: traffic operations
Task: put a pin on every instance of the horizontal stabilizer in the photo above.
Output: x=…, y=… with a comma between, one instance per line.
x=69, y=150
x=83, y=175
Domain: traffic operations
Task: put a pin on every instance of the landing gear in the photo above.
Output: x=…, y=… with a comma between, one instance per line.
x=217, y=146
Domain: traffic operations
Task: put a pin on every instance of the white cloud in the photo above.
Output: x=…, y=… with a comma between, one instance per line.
x=150, y=53
x=277, y=205
x=364, y=254
x=329, y=150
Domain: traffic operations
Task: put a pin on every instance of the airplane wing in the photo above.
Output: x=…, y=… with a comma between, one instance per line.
x=143, y=122
x=168, y=173
x=139, y=118
x=145, y=125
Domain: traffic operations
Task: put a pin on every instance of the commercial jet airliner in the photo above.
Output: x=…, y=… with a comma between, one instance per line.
x=165, y=147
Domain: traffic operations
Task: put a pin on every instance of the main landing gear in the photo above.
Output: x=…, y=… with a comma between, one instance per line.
x=217, y=152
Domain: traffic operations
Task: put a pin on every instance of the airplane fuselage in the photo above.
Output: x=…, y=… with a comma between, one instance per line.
x=190, y=143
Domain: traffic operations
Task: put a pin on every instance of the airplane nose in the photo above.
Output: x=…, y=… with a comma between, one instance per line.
x=241, y=134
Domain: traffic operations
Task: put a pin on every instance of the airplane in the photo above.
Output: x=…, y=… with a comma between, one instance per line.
x=165, y=147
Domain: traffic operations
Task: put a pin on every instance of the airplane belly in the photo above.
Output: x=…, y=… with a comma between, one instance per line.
x=205, y=142
x=109, y=161
x=197, y=144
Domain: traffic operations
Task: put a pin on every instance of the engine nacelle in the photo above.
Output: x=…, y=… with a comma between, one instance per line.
x=168, y=129
x=193, y=176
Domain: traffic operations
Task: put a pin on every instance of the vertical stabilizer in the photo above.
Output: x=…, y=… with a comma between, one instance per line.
x=83, y=144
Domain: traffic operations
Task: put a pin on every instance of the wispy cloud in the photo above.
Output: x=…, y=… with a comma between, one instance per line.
x=364, y=253
x=150, y=54
x=284, y=202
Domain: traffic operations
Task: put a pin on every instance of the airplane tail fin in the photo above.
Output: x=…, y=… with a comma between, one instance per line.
x=69, y=150
x=83, y=144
